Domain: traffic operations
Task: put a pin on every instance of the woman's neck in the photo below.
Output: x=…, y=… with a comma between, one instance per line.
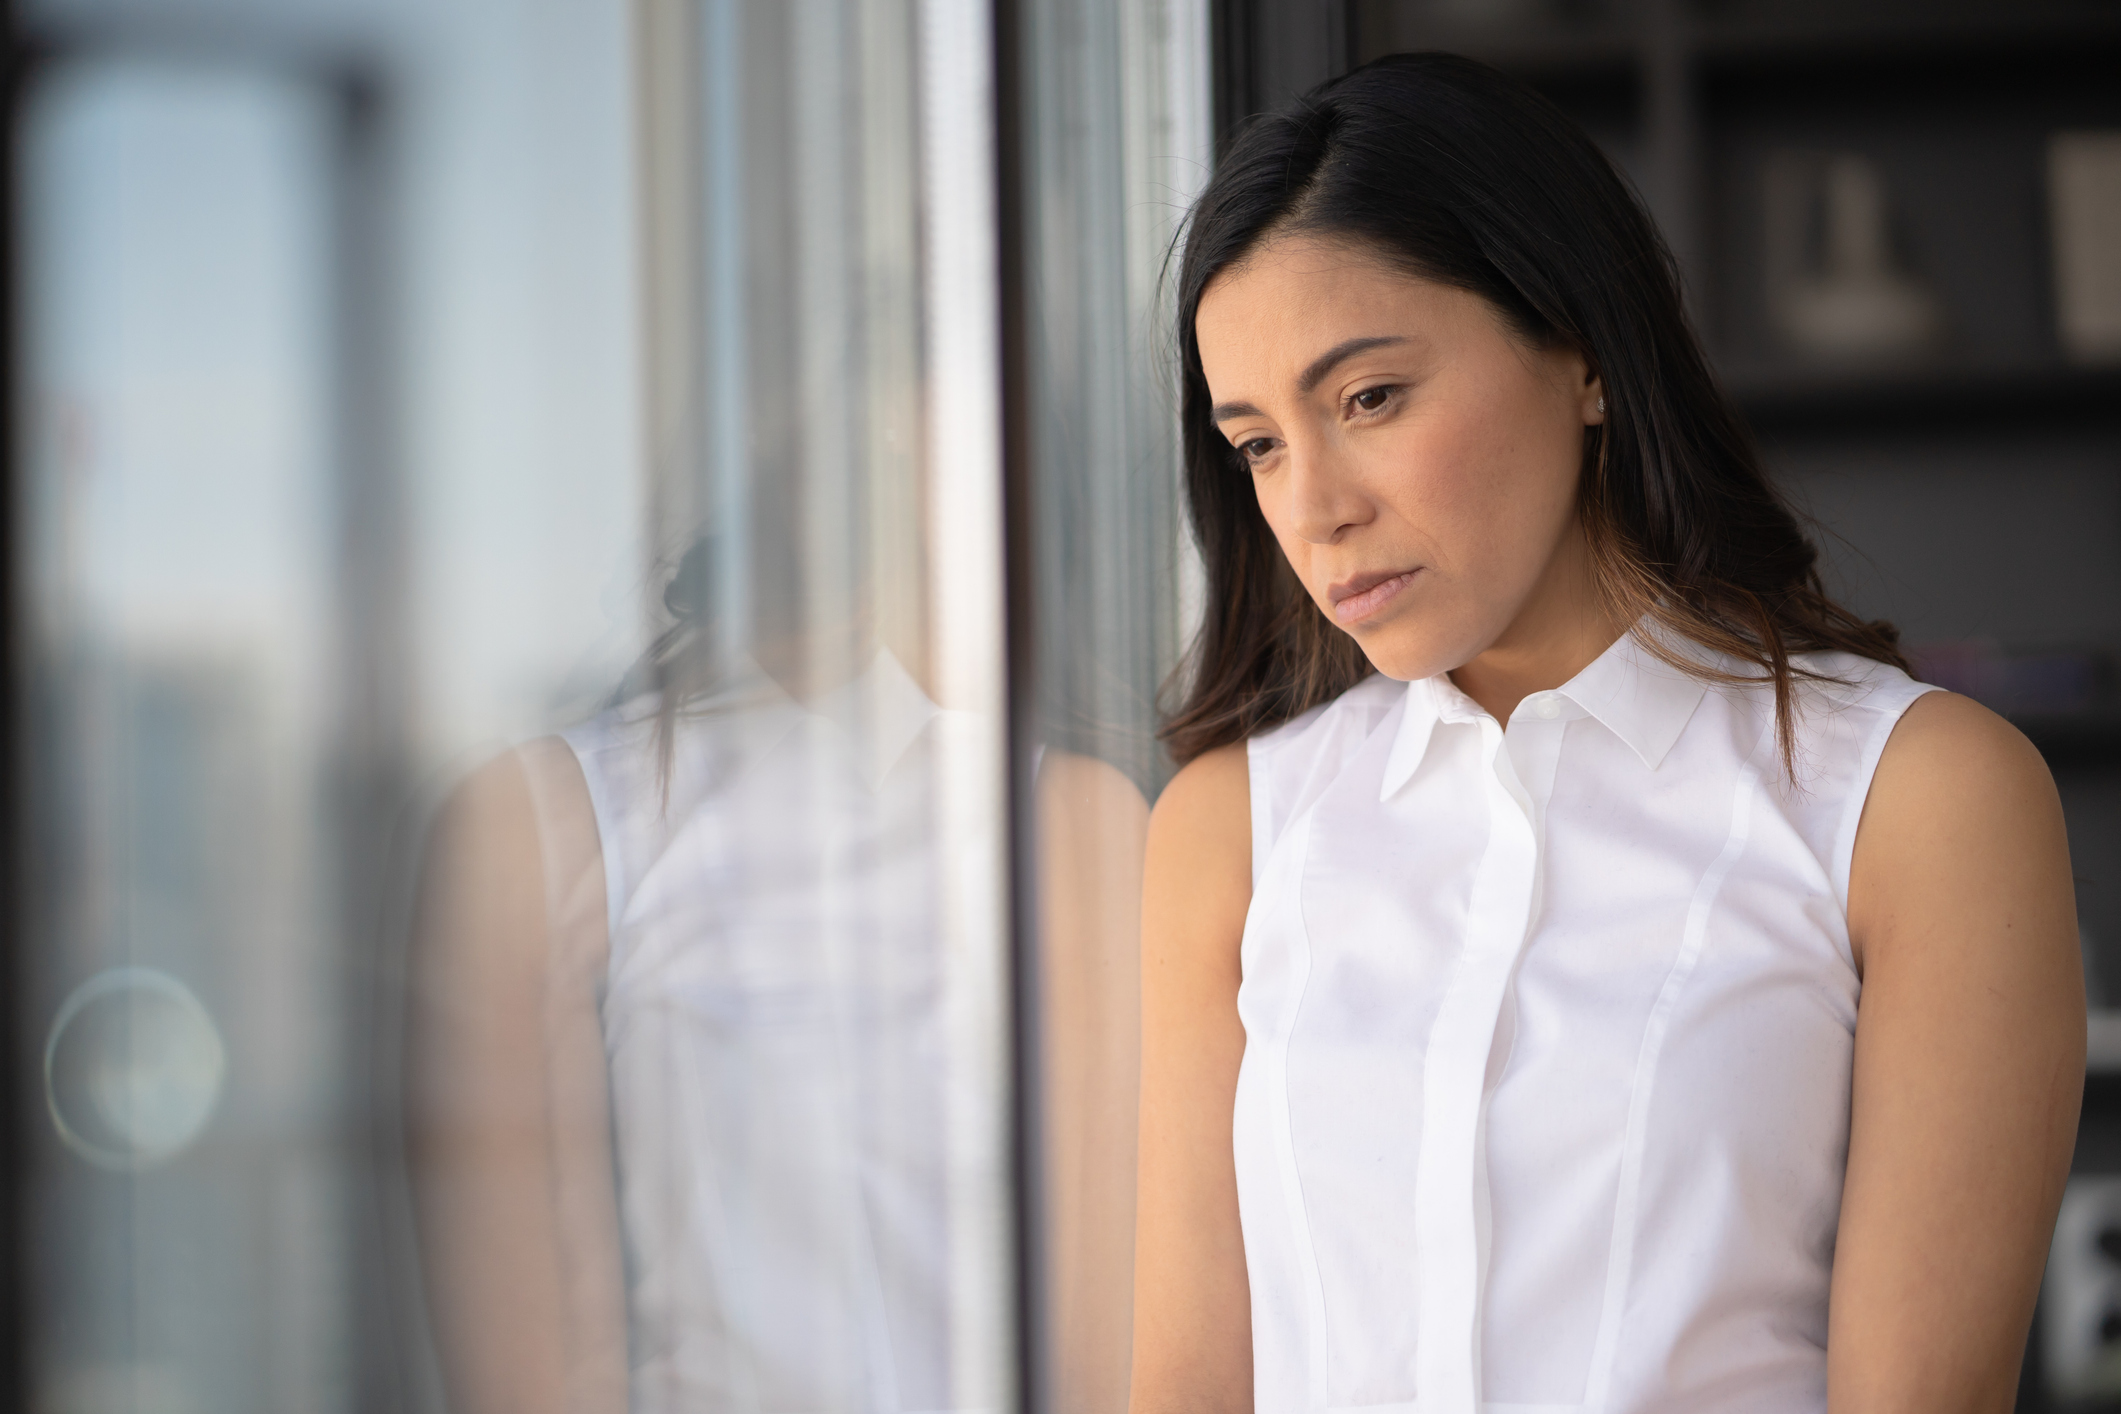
x=1559, y=630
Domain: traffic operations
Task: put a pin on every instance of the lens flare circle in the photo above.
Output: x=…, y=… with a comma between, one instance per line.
x=133, y=1068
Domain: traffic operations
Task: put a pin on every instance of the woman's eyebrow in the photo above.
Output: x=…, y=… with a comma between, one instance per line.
x=1312, y=376
x=1347, y=348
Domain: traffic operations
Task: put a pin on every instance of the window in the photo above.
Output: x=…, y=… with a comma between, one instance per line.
x=556, y=871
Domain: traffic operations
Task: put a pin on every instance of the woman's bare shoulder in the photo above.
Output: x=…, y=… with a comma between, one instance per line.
x=516, y=794
x=1949, y=754
x=1962, y=814
x=1221, y=775
x=1208, y=805
x=514, y=854
x=1200, y=842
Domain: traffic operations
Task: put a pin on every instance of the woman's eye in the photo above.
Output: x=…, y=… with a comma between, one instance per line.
x=1371, y=399
x=1256, y=449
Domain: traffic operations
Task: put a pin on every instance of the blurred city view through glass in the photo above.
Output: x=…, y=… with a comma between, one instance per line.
x=520, y=781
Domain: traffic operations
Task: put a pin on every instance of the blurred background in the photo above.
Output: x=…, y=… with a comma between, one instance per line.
x=393, y=386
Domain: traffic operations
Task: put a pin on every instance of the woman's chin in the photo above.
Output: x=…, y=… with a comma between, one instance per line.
x=1404, y=655
x=1423, y=640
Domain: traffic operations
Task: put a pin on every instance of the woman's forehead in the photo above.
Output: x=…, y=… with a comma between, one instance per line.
x=1279, y=315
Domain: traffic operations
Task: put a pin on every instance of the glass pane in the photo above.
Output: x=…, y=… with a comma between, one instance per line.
x=521, y=891
x=1117, y=120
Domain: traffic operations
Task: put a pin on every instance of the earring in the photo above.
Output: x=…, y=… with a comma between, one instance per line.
x=1601, y=404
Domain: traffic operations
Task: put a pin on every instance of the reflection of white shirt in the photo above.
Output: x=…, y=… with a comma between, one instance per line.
x=1544, y=1102
x=773, y=1021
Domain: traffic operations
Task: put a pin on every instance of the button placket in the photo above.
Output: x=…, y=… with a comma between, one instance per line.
x=1448, y=1198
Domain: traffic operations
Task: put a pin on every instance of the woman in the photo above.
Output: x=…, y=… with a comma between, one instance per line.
x=1581, y=969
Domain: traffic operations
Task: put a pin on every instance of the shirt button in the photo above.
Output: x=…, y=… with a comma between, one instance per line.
x=1546, y=705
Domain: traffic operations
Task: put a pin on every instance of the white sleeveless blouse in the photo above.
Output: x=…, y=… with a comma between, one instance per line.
x=1545, y=1096
x=780, y=1065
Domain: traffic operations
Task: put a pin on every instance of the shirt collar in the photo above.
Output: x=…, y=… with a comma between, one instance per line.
x=880, y=713
x=1634, y=694
x=1639, y=697
x=1427, y=700
x=877, y=715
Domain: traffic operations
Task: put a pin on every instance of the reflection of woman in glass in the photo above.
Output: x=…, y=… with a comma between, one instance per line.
x=1582, y=970
x=682, y=1074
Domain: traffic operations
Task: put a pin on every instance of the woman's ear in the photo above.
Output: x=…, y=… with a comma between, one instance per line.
x=1593, y=398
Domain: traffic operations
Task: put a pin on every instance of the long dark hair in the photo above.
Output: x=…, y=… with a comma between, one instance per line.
x=1453, y=172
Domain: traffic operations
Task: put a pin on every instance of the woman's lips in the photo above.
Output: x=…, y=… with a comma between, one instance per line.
x=1364, y=595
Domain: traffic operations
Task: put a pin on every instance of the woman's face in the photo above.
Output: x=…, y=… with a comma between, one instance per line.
x=1415, y=457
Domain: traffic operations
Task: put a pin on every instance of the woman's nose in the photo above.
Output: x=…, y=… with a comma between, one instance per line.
x=1323, y=498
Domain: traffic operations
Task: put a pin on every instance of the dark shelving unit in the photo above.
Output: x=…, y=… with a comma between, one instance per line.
x=1971, y=492
x=1780, y=400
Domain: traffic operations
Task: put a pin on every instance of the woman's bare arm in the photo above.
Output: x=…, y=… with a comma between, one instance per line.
x=1192, y=1305
x=1092, y=828
x=1969, y=1067
x=508, y=1121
